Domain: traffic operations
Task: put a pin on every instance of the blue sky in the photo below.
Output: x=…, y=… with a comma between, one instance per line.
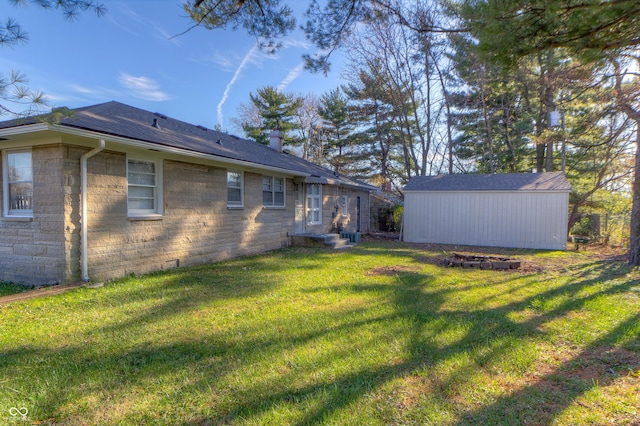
x=129, y=56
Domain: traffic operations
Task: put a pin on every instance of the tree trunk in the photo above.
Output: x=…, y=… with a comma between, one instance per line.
x=540, y=150
x=549, y=161
x=625, y=104
x=634, y=240
x=487, y=123
x=447, y=105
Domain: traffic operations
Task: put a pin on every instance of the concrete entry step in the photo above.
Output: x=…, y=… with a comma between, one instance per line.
x=333, y=241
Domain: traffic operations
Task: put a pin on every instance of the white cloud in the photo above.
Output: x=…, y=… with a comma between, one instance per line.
x=74, y=93
x=142, y=87
x=293, y=74
x=143, y=21
x=223, y=62
x=247, y=59
x=84, y=90
x=122, y=27
x=304, y=44
x=166, y=35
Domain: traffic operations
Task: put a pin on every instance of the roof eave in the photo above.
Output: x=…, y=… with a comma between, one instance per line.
x=330, y=181
x=135, y=143
x=24, y=129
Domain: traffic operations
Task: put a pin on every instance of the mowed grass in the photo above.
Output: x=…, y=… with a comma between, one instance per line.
x=378, y=335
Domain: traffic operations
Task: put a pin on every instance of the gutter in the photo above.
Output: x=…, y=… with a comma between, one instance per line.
x=40, y=127
x=173, y=150
x=83, y=202
x=20, y=130
x=338, y=182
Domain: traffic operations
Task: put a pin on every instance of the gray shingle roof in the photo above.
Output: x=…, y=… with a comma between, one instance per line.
x=117, y=119
x=551, y=181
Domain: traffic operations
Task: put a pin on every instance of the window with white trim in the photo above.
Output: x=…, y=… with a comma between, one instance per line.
x=235, y=196
x=345, y=205
x=144, y=182
x=18, y=183
x=273, y=191
x=314, y=204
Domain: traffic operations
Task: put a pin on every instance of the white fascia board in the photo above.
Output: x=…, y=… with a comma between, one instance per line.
x=20, y=130
x=364, y=187
x=338, y=182
x=171, y=150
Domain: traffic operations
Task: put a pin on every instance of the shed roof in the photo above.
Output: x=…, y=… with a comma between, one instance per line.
x=550, y=181
x=124, y=121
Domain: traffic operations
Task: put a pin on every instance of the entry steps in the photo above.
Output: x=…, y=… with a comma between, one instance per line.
x=334, y=241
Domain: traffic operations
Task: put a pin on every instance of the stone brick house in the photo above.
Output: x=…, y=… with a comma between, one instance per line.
x=113, y=190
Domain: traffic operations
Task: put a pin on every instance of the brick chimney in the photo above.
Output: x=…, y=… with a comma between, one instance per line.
x=276, y=139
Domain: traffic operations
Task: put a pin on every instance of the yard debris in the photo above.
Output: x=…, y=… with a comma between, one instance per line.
x=392, y=270
x=482, y=262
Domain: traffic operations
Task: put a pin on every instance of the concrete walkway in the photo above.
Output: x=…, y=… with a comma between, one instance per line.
x=39, y=292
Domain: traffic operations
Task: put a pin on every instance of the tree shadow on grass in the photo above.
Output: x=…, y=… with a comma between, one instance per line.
x=176, y=292
x=598, y=365
x=435, y=335
x=537, y=403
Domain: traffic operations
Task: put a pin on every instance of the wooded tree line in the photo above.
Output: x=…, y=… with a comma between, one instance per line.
x=419, y=102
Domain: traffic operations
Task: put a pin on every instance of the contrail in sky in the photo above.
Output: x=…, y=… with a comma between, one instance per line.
x=293, y=74
x=225, y=95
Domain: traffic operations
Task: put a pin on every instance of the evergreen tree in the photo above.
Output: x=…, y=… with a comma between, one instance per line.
x=377, y=132
x=491, y=113
x=336, y=129
x=590, y=29
x=276, y=110
x=399, y=73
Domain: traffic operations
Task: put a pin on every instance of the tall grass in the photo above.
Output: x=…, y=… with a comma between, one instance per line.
x=7, y=288
x=380, y=334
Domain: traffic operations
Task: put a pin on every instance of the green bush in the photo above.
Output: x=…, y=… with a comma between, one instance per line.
x=7, y=288
x=583, y=227
x=398, y=211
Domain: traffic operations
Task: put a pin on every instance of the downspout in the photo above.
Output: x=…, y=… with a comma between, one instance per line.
x=83, y=203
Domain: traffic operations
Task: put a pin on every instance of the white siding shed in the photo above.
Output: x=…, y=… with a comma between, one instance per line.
x=501, y=210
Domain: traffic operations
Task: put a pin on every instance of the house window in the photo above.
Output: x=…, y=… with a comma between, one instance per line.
x=314, y=204
x=345, y=205
x=273, y=191
x=144, y=179
x=18, y=183
x=234, y=189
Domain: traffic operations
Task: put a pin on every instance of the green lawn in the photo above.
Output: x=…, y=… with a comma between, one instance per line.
x=380, y=334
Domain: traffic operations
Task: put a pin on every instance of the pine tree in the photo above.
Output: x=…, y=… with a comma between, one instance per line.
x=276, y=111
x=337, y=129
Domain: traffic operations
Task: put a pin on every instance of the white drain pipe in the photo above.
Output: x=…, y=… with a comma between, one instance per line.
x=83, y=214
